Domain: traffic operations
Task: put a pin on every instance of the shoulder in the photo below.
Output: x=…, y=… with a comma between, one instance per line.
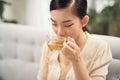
x=99, y=47
x=97, y=42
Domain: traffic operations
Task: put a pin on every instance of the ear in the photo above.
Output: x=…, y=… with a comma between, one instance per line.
x=85, y=20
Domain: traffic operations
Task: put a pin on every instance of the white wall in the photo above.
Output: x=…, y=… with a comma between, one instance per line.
x=29, y=12
x=37, y=12
x=16, y=11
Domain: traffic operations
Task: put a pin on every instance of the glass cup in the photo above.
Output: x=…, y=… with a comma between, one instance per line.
x=56, y=42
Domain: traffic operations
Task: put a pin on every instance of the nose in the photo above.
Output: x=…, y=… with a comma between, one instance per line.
x=61, y=31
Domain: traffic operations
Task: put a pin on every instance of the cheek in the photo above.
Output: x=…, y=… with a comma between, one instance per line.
x=72, y=32
x=75, y=31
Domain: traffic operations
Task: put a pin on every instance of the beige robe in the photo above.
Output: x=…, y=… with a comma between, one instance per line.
x=96, y=55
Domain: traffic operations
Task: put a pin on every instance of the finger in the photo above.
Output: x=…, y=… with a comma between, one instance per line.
x=67, y=50
x=70, y=39
x=71, y=44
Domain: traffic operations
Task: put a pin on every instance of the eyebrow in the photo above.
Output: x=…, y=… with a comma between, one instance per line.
x=52, y=20
x=62, y=21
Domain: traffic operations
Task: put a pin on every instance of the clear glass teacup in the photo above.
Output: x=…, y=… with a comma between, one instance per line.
x=56, y=42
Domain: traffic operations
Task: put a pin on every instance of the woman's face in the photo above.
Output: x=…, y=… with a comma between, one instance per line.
x=65, y=23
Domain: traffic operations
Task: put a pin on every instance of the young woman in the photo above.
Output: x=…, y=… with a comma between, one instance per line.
x=83, y=56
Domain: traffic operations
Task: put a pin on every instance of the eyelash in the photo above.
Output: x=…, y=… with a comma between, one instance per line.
x=64, y=25
x=54, y=24
x=69, y=25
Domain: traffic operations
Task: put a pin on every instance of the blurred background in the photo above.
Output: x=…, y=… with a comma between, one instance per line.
x=104, y=17
x=104, y=14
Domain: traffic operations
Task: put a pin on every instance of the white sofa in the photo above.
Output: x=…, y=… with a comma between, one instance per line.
x=20, y=51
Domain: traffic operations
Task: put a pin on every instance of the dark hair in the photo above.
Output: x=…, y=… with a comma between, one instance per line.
x=79, y=7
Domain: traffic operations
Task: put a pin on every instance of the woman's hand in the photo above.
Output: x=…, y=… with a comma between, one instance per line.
x=71, y=50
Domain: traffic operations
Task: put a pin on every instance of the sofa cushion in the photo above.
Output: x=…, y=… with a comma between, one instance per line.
x=25, y=52
x=12, y=69
x=21, y=42
x=114, y=70
x=8, y=49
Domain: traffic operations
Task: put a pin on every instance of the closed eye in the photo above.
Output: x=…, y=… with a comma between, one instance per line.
x=69, y=25
x=54, y=24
